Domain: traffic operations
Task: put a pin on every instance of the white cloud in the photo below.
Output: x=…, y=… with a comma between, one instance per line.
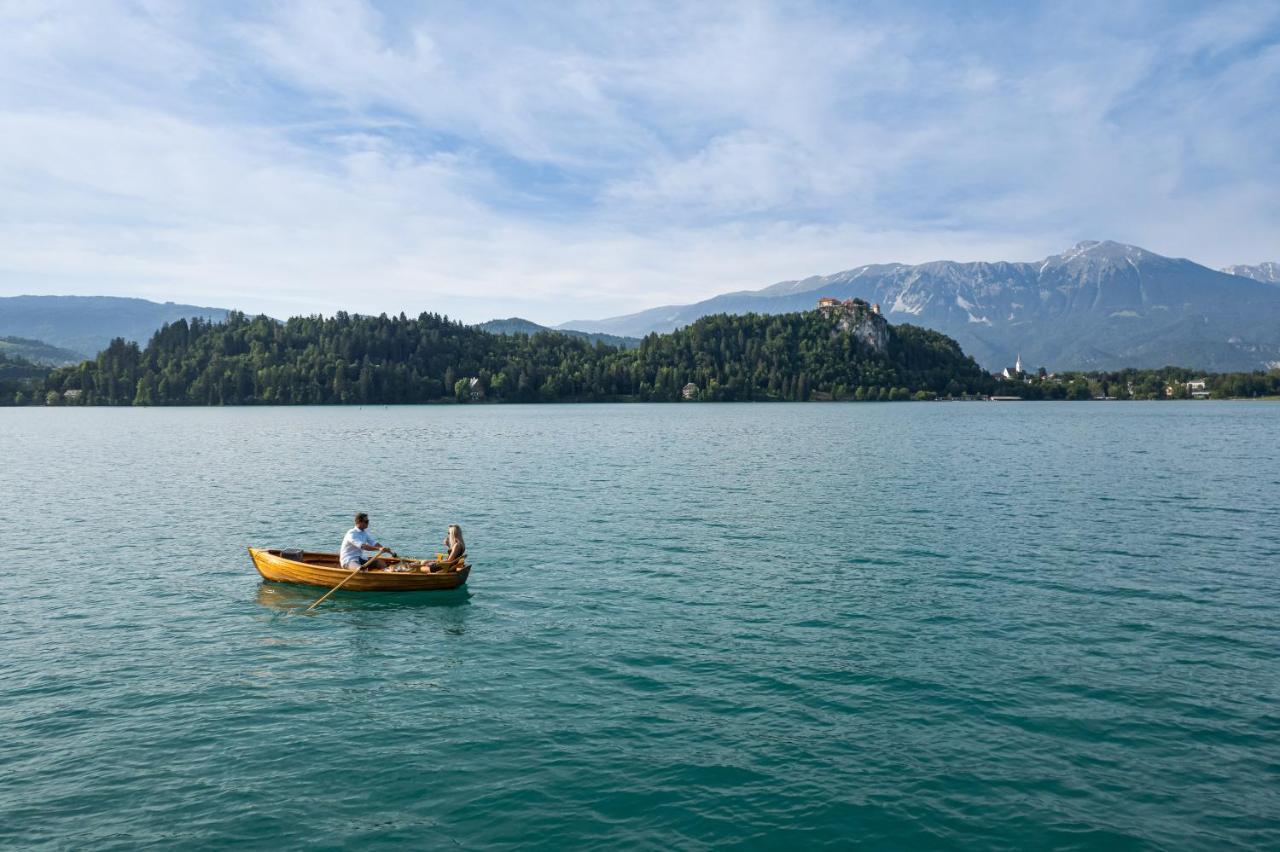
x=563, y=163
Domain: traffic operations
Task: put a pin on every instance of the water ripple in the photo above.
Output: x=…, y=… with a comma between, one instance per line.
x=779, y=626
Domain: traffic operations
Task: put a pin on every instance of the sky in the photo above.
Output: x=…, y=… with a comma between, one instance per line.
x=562, y=161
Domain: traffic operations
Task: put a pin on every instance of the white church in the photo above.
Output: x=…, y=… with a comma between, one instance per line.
x=1015, y=372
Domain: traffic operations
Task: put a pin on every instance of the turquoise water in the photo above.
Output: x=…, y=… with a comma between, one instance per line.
x=764, y=626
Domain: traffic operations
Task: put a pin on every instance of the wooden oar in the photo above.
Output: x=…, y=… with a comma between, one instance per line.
x=344, y=580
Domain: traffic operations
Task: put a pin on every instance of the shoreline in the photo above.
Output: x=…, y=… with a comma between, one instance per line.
x=572, y=402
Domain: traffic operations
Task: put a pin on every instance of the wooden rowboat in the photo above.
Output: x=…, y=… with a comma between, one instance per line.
x=321, y=569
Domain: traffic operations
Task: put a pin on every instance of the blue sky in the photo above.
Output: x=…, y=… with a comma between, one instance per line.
x=564, y=161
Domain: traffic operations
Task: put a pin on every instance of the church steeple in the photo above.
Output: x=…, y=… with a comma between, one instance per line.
x=1017, y=366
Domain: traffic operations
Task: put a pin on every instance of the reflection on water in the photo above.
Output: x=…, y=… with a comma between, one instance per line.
x=296, y=598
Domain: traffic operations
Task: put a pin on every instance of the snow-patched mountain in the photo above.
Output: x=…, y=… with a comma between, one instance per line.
x=1268, y=272
x=1101, y=305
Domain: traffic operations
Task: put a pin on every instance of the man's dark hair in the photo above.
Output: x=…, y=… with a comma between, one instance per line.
x=361, y=516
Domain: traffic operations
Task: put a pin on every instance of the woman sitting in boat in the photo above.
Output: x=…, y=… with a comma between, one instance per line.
x=452, y=559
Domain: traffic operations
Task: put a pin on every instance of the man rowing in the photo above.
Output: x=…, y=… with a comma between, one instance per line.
x=355, y=542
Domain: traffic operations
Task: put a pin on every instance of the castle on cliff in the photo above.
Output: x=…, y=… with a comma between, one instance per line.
x=828, y=305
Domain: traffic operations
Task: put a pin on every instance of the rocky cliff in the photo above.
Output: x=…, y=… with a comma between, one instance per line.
x=868, y=327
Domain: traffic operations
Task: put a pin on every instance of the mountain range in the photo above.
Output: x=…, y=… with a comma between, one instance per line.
x=1099, y=306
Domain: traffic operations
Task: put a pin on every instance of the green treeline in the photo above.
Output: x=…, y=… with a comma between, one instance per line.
x=378, y=360
x=1163, y=383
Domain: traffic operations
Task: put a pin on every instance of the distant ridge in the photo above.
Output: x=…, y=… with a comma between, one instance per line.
x=86, y=324
x=516, y=325
x=1100, y=305
x=1268, y=272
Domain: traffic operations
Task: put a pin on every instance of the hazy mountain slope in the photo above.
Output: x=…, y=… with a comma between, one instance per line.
x=1268, y=272
x=38, y=352
x=1101, y=305
x=86, y=324
x=516, y=325
x=670, y=317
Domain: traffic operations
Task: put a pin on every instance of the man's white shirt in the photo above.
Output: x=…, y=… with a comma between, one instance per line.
x=352, y=553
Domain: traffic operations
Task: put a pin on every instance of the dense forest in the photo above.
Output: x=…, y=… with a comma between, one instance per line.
x=379, y=360
x=376, y=360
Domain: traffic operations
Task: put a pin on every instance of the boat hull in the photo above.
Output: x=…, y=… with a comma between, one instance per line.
x=321, y=569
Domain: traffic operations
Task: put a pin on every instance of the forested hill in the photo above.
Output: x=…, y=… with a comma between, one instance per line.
x=377, y=360
x=38, y=352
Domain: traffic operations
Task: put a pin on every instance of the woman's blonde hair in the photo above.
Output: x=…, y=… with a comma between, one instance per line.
x=456, y=531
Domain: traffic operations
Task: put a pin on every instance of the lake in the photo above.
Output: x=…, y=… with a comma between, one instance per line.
x=898, y=626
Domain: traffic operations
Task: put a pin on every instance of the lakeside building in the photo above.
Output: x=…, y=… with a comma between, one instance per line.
x=1015, y=372
x=689, y=391
x=1196, y=389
